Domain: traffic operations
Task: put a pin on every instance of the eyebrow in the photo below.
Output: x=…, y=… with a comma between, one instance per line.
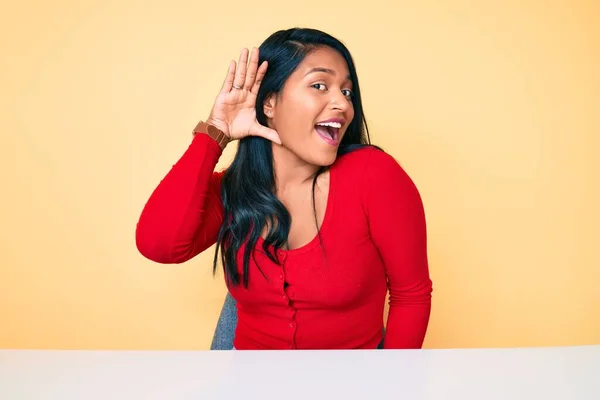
x=325, y=70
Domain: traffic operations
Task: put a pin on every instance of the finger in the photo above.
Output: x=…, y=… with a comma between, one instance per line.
x=252, y=68
x=260, y=74
x=267, y=133
x=226, y=88
x=240, y=74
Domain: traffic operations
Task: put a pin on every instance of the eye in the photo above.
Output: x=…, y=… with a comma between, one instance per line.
x=322, y=87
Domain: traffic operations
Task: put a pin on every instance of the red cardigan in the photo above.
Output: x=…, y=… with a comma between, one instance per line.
x=374, y=238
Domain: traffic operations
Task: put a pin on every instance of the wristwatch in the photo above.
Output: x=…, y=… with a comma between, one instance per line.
x=208, y=129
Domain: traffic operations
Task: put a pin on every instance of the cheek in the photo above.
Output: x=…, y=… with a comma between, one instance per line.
x=351, y=112
x=299, y=115
x=309, y=107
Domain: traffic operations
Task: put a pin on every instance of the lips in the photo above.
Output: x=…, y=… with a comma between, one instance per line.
x=329, y=134
x=333, y=120
x=329, y=130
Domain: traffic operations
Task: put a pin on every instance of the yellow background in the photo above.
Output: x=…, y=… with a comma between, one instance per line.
x=493, y=108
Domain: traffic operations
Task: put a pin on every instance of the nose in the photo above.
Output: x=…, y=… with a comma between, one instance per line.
x=339, y=101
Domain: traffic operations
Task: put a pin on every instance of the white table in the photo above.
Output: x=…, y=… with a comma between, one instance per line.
x=465, y=374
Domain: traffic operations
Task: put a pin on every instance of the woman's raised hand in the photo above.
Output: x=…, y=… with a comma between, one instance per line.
x=234, y=108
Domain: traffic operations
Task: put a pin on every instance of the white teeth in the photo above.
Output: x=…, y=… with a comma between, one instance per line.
x=331, y=124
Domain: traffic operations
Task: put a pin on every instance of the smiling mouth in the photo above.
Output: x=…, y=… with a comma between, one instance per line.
x=329, y=131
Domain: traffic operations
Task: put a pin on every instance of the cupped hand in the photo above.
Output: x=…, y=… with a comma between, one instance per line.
x=234, y=110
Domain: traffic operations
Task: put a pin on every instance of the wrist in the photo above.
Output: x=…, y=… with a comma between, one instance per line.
x=210, y=129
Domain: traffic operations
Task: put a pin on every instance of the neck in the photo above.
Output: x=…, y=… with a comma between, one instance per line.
x=290, y=171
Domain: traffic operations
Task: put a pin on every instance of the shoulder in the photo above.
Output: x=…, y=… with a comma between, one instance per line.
x=379, y=177
x=371, y=162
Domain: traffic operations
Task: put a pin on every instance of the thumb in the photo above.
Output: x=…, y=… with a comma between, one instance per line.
x=267, y=133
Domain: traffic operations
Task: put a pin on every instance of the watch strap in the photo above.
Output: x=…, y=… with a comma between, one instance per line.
x=215, y=133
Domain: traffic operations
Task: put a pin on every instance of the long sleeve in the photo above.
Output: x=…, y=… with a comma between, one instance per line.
x=398, y=229
x=184, y=213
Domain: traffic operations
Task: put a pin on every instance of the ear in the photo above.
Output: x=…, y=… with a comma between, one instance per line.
x=269, y=106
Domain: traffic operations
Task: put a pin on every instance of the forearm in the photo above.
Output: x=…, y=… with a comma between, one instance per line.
x=398, y=229
x=408, y=317
x=182, y=216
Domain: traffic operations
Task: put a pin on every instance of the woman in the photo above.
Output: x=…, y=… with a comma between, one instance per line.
x=313, y=224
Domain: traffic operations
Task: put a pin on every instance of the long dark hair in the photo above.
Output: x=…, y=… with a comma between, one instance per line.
x=248, y=184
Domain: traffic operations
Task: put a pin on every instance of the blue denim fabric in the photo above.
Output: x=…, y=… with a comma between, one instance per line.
x=225, y=330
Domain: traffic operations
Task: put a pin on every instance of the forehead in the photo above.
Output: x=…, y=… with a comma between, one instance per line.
x=323, y=57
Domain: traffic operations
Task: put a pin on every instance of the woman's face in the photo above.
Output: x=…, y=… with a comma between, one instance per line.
x=314, y=108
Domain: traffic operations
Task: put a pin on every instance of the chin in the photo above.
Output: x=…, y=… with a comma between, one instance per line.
x=317, y=153
x=324, y=159
x=324, y=154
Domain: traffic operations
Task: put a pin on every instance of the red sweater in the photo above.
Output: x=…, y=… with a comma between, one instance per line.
x=374, y=237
